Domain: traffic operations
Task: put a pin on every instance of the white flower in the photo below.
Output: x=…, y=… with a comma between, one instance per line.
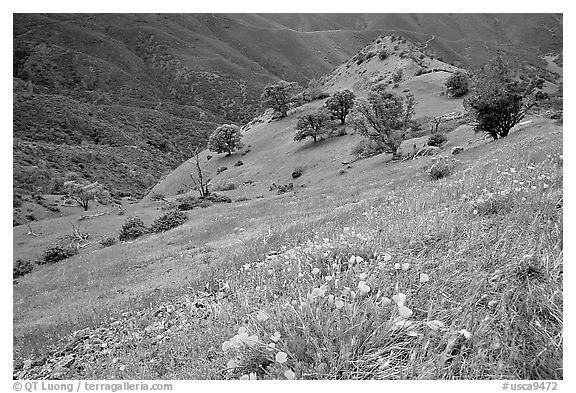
x=281, y=357
x=242, y=330
x=385, y=301
x=231, y=364
x=399, y=299
x=424, y=277
x=262, y=316
x=363, y=288
x=328, y=278
x=386, y=257
x=363, y=276
x=397, y=266
x=289, y=374
x=226, y=345
x=465, y=333
x=339, y=304
x=405, y=266
x=404, y=312
x=352, y=260
x=315, y=271
x=359, y=259
x=275, y=337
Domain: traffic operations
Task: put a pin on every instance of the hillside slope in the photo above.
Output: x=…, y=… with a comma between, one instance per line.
x=199, y=70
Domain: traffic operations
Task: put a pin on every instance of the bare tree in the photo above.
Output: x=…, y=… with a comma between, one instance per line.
x=199, y=181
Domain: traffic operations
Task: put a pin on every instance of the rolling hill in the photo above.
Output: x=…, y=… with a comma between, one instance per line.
x=185, y=74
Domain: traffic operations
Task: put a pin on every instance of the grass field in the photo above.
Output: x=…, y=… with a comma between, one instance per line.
x=378, y=272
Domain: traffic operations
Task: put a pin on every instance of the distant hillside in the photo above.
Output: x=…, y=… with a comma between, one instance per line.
x=125, y=98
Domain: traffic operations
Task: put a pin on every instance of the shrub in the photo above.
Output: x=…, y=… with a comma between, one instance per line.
x=242, y=199
x=56, y=253
x=21, y=268
x=217, y=198
x=437, y=140
x=226, y=187
x=157, y=197
x=133, y=228
x=457, y=84
x=383, y=54
x=221, y=169
x=107, y=241
x=168, y=221
x=297, y=172
x=239, y=163
x=188, y=203
x=441, y=168
x=285, y=188
x=31, y=217
x=366, y=148
x=397, y=76
x=492, y=203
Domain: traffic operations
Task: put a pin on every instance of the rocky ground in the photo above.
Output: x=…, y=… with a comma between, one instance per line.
x=104, y=348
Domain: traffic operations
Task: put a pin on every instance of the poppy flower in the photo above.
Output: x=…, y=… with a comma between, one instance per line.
x=262, y=316
x=281, y=357
x=404, y=312
x=226, y=345
x=399, y=299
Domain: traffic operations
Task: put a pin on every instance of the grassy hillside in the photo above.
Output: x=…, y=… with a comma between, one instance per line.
x=204, y=68
x=496, y=218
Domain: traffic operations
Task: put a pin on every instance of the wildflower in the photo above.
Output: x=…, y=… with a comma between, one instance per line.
x=397, y=266
x=328, y=278
x=363, y=288
x=385, y=301
x=339, y=304
x=352, y=260
x=271, y=346
x=270, y=271
x=492, y=303
x=359, y=259
x=465, y=333
x=405, y=266
x=363, y=276
x=242, y=330
x=318, y=292
x=231, y=364
x=386, y=257
x=275, y=337
x=330, y=299
x=246, y=266
x=336, y=283
x=262, y=316
x=353, y=294
x=424, y=277
x=404, y=312
x=289, y=374
x=300, y=274
x=315, y=271
x=226, y=345
x=281, y=357
x=399, y=299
